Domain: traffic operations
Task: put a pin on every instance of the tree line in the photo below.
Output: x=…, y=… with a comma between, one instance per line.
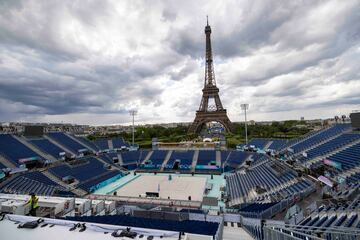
x=143, y=135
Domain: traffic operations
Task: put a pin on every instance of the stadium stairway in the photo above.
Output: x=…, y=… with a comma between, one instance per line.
x=78, y=192
x=59, y=144
x=82, y=143
x=224, y=162
x=147, y=157
x=35, y=149
x=320, y=158
x=168, y=155
x=6, y=163
x=218, y=158
x=121, y=161
x=194, y=161
x=110, y=144
x=268, y=145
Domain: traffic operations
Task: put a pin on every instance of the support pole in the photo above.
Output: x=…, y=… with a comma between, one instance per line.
x=245, y=107
x=133, y=113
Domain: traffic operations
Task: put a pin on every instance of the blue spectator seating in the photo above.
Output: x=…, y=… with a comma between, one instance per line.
x=47, y=147
x=13, y=150
x=236, y=158
x=94, y=183
x=322, y=136
x=88, y=143
x=89, y=175
x=224, y=156
x=67, y=142
x=185, y=158
x=156, y=159
x=31, y=182
x=206, y=157
x=331, y=145
x=239, y=184
x=102, y=144
x=119, y=143
x=133, y=156
x=82, y=172
x=259, y=142
x=348, y=158
x=277, y=144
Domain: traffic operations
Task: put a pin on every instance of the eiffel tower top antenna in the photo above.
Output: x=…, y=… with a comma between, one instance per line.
x=209, y=67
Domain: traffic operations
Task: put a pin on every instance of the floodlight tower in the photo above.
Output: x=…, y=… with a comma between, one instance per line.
x=133, y=113
x=245, y=106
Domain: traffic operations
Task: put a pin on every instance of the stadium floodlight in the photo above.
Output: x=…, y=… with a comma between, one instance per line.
x=133, y=113
x=245, y=106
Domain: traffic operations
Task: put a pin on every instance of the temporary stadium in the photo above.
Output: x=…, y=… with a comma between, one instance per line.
x=305, y=188
x=62, y=185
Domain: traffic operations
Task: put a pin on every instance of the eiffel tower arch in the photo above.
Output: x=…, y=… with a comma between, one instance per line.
x=210, y=112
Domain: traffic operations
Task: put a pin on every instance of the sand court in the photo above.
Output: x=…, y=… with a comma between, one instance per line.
x=178, y=188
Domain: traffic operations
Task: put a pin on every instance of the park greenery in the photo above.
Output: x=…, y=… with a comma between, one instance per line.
x=276, y=130
x=280, y=130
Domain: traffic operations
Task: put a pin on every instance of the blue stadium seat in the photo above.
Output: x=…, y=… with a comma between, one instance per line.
x=48, y=147
x=119, y=143
x=206, y=157
x=13, y=150
x=320, y=137
x=277, y=144
x=259, y=142
x=133, y=156
x=348, y=158
x=67, y=142
x=331, y=145
x=156, y=159
x=102, y=144
x=239, y=185
x=88, y=174
x=89, y=143
x=185, y=159
x=93, y=184
x=237, y=158
x=93, y=167
x=224, y=156
x=32, y=182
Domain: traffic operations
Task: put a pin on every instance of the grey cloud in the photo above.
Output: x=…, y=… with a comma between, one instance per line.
x=169, y=14
x=43, y=73
x=189, y=68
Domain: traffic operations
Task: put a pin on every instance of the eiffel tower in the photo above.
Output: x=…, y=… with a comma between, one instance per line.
x=208, y=113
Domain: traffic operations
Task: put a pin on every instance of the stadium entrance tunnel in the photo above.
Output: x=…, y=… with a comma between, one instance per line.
x=176, y=165
x=33, y=162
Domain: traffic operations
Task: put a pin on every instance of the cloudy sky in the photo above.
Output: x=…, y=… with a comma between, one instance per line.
x=89, y=62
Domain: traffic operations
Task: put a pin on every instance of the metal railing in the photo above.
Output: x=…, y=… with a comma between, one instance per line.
x=274, y=231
